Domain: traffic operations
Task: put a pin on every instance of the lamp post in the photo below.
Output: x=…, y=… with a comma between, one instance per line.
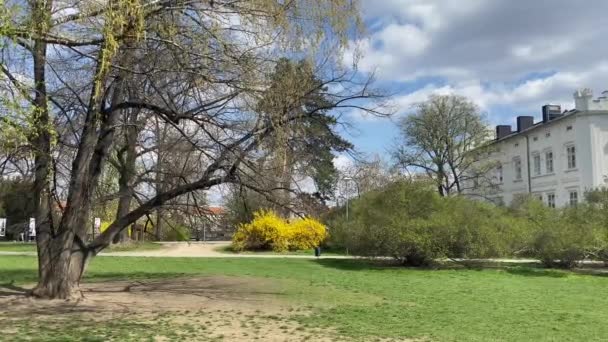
x=347, y=180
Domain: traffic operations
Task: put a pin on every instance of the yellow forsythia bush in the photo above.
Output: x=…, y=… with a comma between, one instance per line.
x=105, y=224
x=269, y=231
x=266, y=231
x=306, y=233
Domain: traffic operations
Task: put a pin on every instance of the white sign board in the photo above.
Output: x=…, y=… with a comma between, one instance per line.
x=2, y=227
x=96, y=224
x=32, y=231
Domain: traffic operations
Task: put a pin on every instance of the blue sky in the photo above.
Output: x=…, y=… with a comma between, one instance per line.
x=509, y=57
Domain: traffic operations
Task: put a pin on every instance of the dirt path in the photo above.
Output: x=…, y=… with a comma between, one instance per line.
x=195, y=250
x=181, y=249
x=207, y=250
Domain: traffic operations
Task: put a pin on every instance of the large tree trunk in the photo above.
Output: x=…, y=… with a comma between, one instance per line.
x=161, y=133
x=62, y=253
x=285, y=184
x=124, y=204
x=61, y=269
x=282, y=180
x=41, y=141
x=158, y=228
x=127, y=158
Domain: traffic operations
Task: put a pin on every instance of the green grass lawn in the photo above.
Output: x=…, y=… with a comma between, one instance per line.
x=31, y=247
x=17, y=246
x=361, y=299
x=134, y=246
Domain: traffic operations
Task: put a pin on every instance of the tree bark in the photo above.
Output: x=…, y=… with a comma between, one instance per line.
x=124, y=204
x=61, y=269
x=158, y=230
x=127, y=157
x=63, y=254
x=158, y=177
x=285, y=183
x=41, y=141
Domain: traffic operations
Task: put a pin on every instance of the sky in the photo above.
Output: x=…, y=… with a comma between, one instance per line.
x=509, y=57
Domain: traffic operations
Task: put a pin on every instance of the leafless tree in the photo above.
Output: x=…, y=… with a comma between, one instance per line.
x=73, y=64
x=445, y=138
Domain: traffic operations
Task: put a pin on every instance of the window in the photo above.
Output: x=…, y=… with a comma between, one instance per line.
x=536, y=163
x=549, y=161
x=571, y=155
x=539, y=197
x=517, y=166
x=535, y=138
x=548, y=134
x=573, y=198
x=569, y=128
x=551, y=200
x=499, y=173
x=516, y=144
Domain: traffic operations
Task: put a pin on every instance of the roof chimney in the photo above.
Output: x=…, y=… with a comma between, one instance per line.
x=582, y=99
x=502, y=131
x=551, y=112
x=524, y=122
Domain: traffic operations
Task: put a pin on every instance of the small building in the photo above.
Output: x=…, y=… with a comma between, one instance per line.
x=209, y=224
x=556, y=159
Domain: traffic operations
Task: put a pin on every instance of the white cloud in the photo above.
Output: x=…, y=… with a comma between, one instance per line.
x=526, y=97
x=490, y=40
x=343, y=162
x=521, y=51
x=541, y=50
x=305, y=184
x=216, y=195
x=405, y=40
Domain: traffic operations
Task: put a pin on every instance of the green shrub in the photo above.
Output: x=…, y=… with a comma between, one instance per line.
x=465, y=228
x=410, y=222
x=561, y=237
x=176, y=233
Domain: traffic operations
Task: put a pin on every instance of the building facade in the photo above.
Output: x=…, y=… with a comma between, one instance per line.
x=555, y=160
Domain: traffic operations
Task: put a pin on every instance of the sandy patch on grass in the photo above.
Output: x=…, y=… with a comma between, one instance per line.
x=217, y=308
x=209, y=249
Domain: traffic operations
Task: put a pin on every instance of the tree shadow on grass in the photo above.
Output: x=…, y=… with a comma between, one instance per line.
x=537, y=272
x=28, y=275
x=19, y=275
x=209, y=286
x=525, y=270
x=99, y=276
x=10, y=289
x=149, y=292
x=357, y=264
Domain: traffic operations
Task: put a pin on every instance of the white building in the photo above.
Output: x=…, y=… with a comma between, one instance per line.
x=557, y=159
